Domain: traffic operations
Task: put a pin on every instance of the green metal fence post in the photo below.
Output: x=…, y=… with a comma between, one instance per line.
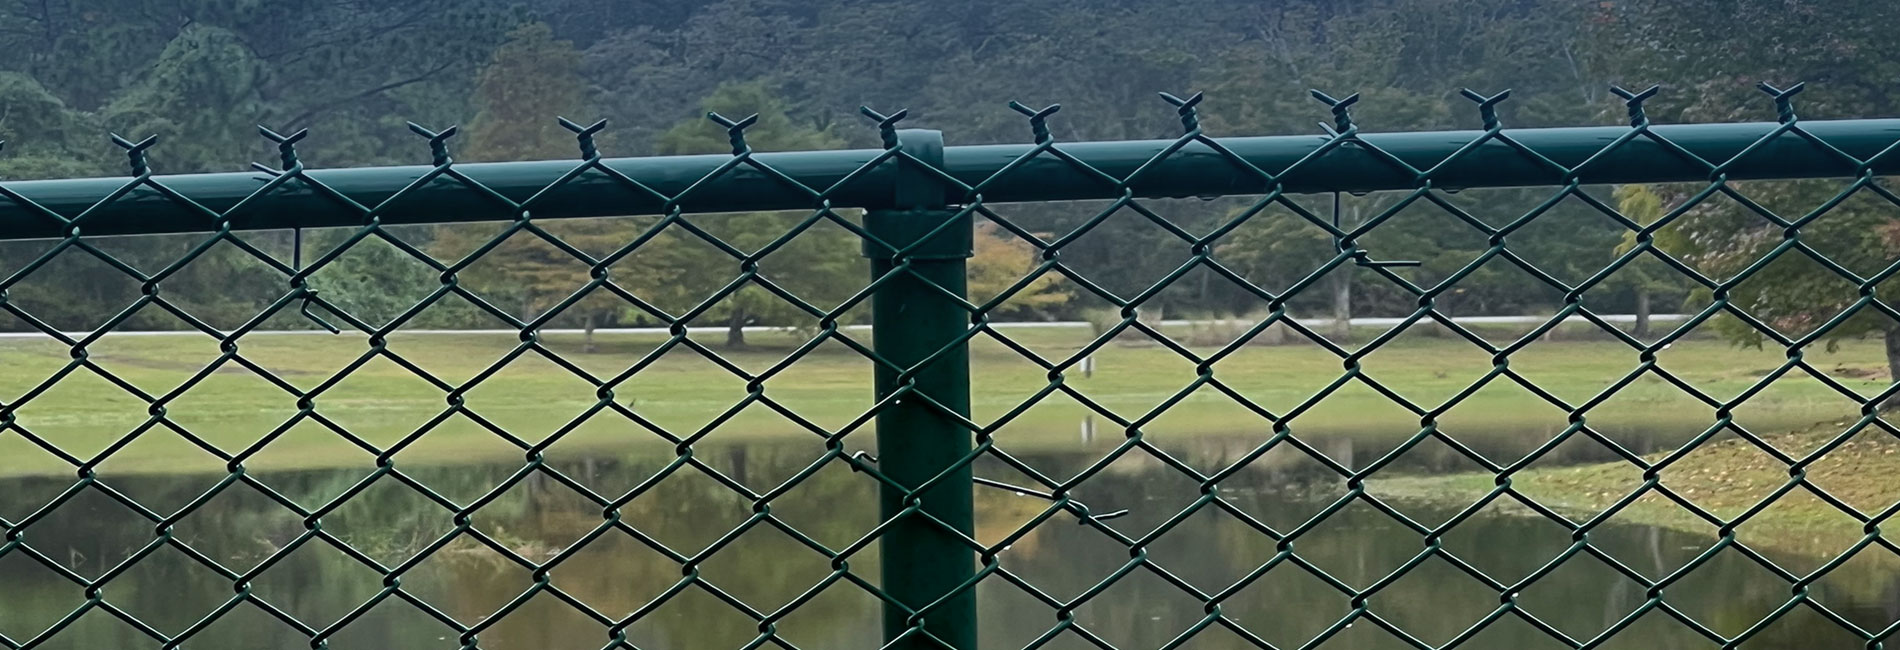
x=914, y=319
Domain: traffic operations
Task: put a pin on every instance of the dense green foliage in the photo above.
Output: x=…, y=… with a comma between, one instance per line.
x=201, y=73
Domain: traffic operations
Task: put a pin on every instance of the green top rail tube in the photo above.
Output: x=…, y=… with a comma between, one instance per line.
x=1194, y=170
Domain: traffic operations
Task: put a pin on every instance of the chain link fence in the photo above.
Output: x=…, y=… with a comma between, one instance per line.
x=923, y=202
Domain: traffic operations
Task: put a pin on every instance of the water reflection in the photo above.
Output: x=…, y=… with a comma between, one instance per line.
x=765, y=568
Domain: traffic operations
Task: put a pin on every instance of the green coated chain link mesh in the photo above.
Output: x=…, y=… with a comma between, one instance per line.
x=933, y=619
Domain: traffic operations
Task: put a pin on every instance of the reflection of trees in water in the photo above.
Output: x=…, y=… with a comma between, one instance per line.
x=765, y=568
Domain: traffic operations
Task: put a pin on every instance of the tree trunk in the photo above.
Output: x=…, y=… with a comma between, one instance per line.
x=587, y=333
x=737, y=454
x=1655, y=550
x=1342, y=305
x=1893, y=364
x=1893, y=604
x=1612, y=599
x=1430, y=326
x=1642, y=313
x=1342, y=276
x=1201, y=293
x=735, y=328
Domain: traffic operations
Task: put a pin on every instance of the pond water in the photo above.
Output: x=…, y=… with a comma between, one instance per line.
x=615, y=574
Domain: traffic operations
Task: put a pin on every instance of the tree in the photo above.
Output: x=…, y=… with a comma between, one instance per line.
x=1709, y=57
x=376, y=282
x=1406, y=59
x=202, y=98
x=1643, y=277
x=822, y=265
x=1793, y=294
x=44, y=137
x=352, y=70
x=999, y=260
x=201, y=74
x=1267, y=84
x=1281, y=247
x=532, y=79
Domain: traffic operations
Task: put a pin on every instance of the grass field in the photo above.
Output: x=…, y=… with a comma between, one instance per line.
x=531, y=397
x=1727, y=477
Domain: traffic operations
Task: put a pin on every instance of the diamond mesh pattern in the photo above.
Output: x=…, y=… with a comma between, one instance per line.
x=1342, y=137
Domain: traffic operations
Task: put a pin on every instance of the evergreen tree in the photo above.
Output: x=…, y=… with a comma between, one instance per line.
x=822, y=265
x=532, y=79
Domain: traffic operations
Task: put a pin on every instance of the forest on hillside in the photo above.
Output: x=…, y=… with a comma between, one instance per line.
x=201, y=75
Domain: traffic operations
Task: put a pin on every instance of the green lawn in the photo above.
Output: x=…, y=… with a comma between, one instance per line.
x=532, y=397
